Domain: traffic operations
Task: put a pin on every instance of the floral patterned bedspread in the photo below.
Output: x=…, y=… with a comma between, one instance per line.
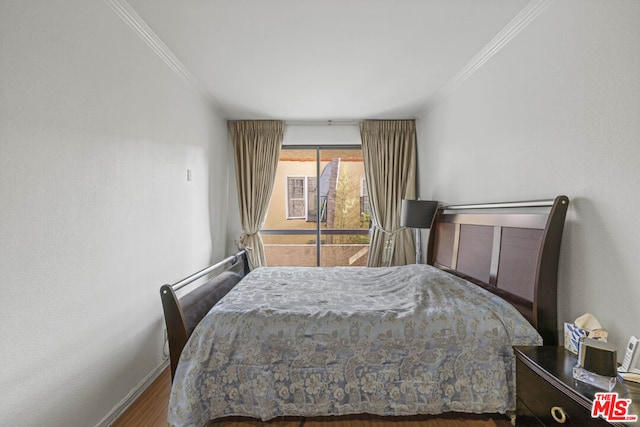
x=346, y=340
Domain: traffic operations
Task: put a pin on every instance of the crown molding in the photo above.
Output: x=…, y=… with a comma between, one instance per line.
x=530, y=12
x=131, y=18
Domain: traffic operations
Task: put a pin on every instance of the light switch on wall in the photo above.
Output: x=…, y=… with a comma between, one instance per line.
x=188, y=174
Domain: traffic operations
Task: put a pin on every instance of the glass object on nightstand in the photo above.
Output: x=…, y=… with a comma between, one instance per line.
x=600, y=381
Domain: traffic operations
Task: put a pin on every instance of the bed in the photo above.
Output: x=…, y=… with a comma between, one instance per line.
x=390, y=341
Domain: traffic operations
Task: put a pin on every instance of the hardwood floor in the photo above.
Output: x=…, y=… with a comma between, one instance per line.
x=150, y=410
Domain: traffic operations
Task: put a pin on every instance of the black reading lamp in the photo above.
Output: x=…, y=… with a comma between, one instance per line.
x=418, y=214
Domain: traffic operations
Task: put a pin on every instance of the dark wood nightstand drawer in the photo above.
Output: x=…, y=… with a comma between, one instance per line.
x=539, y=397
x=544, y=380
x=526, y=418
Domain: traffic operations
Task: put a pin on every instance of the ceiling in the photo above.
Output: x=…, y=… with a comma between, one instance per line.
x=304, y=60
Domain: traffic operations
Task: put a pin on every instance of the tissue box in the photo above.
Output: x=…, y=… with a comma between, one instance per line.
x=573, y=333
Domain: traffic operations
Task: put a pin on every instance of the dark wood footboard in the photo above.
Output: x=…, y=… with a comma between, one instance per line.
x=182, y=314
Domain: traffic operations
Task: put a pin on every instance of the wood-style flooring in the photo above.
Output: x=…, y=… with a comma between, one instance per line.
x=150, y=410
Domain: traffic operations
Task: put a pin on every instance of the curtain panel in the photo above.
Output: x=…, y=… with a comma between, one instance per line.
x=389, y=150
x=256, y=145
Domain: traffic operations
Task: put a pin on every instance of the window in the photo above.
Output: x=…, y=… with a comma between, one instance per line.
x=312, y=196
x=365, y=208
x=296, y=202
x=302, y=197
x=315, y=214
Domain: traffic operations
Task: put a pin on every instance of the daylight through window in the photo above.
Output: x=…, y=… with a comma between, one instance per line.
x=319, y=209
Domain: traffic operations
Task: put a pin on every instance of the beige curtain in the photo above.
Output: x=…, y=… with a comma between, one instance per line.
x=256, y=145
x=389, y=149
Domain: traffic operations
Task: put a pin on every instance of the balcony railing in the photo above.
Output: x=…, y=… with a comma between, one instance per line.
x=328, y=247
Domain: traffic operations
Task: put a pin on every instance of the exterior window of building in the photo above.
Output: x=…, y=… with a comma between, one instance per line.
x=365, y=208
x=302, y=197
x=312, y=198
x=296, y=203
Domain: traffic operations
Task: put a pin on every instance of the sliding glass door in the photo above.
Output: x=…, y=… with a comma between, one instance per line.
x=319, y=210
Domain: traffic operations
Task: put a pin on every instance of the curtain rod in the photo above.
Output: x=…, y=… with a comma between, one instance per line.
x=335, y=122
x=323, y=122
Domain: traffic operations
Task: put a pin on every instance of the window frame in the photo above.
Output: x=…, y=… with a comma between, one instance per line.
x=318, y=231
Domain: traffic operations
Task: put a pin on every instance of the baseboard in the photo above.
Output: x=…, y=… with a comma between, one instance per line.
x=121, y=407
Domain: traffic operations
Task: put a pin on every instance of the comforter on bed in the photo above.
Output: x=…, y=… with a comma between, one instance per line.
x=346, y=340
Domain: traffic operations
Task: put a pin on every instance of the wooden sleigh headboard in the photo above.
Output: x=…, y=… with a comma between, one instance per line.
x=507, y=250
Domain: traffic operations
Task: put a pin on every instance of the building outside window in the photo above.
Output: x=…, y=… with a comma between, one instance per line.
x=318, y=213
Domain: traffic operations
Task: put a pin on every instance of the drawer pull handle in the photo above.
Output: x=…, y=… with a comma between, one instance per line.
x=558, y=414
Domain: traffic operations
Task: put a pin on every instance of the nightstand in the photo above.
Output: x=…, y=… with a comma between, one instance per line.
x=547, y=394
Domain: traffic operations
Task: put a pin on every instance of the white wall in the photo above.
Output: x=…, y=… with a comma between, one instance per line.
x=96, y=213
x=557, y=111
